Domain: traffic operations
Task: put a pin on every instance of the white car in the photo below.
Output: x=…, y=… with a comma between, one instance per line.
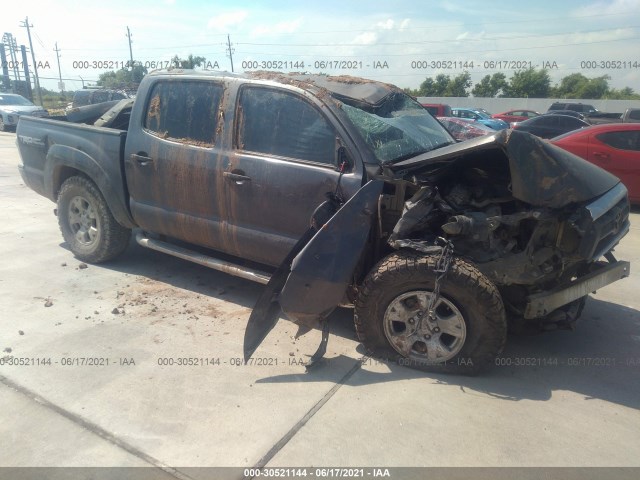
x=12, y=106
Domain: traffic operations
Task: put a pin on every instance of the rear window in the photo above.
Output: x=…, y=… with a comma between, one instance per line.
x=184, y=111
x=623, y=140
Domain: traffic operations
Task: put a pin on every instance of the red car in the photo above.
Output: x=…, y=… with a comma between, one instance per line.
x=516, y=115
x=614, y=147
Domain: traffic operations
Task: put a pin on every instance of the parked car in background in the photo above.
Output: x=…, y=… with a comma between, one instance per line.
x=12, y=106
x=630, y=115
x=549, y=126
x=571, y=113
x=613, y=147
x=462, y=129
x=438, y=109
x=583, y=108
x=480, y=117
x=92, y=96
x=515, y=115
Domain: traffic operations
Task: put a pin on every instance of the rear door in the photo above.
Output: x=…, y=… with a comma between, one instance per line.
x=172, y=162
x=618, y=152
x=283, y=163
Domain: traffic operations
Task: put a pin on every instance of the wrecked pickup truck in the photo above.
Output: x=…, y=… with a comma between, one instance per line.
x=339, y=191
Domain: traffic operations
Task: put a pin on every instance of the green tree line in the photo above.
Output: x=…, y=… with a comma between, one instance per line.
x=530, y=83
x=130, y=77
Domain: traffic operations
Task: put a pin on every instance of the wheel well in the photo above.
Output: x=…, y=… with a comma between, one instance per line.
x=61, y=175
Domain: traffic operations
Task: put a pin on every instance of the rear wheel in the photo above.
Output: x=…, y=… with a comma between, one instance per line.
x=86, y=222
x=468, y=329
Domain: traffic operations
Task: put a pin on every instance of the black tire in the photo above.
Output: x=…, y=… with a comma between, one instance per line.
x=87, y=224
x=469, y=298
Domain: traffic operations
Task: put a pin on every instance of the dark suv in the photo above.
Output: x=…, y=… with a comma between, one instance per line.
x=91, y=96
x=583, y=108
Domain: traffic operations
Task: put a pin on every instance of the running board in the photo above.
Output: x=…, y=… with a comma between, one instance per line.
x=201, y=259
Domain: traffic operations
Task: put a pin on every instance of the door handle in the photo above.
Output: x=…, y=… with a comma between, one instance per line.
x=602, y=155
x=141, y=158
x=236, y=177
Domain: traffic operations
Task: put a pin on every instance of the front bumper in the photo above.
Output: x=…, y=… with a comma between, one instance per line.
x=541, y=304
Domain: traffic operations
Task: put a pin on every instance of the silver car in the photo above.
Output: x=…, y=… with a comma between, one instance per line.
x=12, y=106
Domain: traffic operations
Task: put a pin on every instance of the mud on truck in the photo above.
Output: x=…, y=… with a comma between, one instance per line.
x=339, y=191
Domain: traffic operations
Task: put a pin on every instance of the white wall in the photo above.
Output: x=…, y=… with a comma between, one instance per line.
x=498, y=105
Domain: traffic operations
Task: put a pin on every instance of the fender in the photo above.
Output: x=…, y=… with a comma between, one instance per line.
x=322, y=271
x=61, y=156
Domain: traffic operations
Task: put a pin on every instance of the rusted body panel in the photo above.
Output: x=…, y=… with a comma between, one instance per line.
x=206, y=161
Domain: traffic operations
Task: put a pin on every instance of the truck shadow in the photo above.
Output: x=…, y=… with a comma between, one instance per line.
x=600, y=360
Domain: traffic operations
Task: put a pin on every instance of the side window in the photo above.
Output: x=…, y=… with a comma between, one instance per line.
x=184, y=111
x=628, y=140
x=282, y=124
x=634, y=114
x=99, y=97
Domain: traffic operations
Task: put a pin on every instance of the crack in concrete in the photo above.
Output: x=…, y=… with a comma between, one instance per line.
x=94, y=428
x=280, y=444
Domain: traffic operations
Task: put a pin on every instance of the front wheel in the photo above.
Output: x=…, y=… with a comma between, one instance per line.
x=467, y=331
x=87, y=224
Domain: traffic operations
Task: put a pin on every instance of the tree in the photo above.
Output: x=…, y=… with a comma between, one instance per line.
x=458, y=86
x=577, y=85
x=625, y=93
x=190, y=62
x=490, y=85
x=444, y=86
x=530, y=83
x=123, y=78
x=434, y=88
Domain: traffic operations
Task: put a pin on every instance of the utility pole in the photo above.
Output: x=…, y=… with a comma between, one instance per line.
x=230, y=50
x=33, y=56
x=130, y=51
x=60, y=84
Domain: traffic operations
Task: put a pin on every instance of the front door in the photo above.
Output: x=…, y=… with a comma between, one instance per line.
x=283, y=164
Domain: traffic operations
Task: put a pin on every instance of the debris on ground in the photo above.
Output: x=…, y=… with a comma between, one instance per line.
x=48, y=303
x=82, y=266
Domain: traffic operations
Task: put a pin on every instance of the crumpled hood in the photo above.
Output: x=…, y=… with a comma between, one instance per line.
x=542, y=174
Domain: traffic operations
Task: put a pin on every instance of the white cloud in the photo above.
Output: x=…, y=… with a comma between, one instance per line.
x=607, y=8
x=404, y=24
x=290, y=26
x=388, y=25
x=227, y=19
x=366, y=38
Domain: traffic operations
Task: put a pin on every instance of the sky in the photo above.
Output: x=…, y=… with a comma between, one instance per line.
x=395, y=41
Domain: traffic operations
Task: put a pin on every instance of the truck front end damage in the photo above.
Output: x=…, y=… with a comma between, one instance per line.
x=466, y=240
x=531, y=217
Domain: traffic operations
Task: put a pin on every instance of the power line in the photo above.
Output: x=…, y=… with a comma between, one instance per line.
x=26, y=25
x=230, y=51
x=130, y=50
x=483, y=39
x=60, y=85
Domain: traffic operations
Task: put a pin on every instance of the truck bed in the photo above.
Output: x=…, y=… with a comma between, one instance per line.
x=53, y=150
